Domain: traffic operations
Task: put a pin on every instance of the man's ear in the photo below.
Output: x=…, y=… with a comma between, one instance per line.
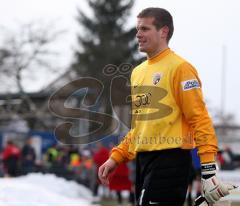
x=164, y=32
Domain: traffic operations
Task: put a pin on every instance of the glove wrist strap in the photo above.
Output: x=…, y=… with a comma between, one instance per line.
x=208, y=170
x=201, y=201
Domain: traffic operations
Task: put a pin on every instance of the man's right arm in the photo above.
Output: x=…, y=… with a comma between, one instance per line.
x=118, y=155
x=121, y=153
x=105, y=170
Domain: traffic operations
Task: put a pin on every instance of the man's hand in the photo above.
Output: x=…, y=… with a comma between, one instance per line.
x=105, y=170
x=213, y=189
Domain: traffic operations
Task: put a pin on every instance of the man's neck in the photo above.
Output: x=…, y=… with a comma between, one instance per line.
x=155, y=53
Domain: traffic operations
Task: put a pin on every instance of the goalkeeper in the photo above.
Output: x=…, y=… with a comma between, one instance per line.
x=169, y=118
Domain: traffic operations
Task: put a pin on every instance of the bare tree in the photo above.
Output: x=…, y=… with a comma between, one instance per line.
x=30, y=50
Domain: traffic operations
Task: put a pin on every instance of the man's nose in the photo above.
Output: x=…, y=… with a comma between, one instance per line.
x=139, y=34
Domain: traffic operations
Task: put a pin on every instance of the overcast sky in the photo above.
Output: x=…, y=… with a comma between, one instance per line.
x=202, y=29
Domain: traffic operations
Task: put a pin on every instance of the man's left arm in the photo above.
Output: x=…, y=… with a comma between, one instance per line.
x=188, y=94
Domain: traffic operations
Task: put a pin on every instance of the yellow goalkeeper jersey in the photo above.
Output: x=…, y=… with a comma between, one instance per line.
x=168, y=110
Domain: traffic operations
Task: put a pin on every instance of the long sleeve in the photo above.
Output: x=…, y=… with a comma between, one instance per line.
x=121, y=152
x=188, y=94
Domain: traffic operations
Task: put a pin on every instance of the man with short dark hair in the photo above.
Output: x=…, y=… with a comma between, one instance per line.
x=169, y=118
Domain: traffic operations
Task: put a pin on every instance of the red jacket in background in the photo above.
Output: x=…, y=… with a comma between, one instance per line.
x=10, y=151
x=101, y=156
x=119, y=180
x=11, y=156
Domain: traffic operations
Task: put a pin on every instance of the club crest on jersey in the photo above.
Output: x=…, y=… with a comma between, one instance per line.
x=156, y=78
x=190, y=84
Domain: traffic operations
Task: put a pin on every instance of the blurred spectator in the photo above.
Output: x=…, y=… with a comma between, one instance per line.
x=235, y=158
x=75, y=160
x=227, y=159
x=58, y=162
x=1, y=165
x=28, y=157
x=101, y=154
x=86, y=171
x=11, y=159
x=63, y=155
x=51, y=155
x=220, y=159
x=119, y=181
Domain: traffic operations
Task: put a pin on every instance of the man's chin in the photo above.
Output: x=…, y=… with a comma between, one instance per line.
x=141, y=49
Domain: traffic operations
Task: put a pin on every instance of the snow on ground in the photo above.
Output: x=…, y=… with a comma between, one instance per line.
x=42, y=190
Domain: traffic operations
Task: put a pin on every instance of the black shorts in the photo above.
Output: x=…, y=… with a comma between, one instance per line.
x=162, y=177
